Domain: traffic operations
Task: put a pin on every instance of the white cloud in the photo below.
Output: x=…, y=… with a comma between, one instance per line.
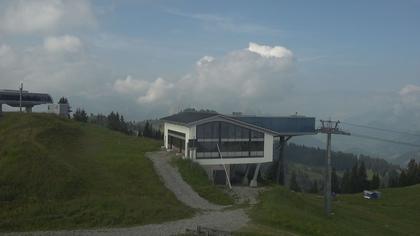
x=410, y=98
x=204, y=60
x=43, y=71
x=7, y=56
x=40, y=16
x=237, y=80
x=130, y=85
x=146, y=92
x=406, y=110
x=267, y=51
x=158, y=90
x=410, y=90
x=65, y=43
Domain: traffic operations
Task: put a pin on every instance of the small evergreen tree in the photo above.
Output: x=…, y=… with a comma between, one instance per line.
x=354, y=179
x=293, y=183
x=147, y=130
x=403, y=180
x=80, y=115
x=418, y=174
x=314, y=188
x=63, y=100
x=374, y=184
x=412, y=172
x=393, y=179
x=346, y=183
x=362, y=178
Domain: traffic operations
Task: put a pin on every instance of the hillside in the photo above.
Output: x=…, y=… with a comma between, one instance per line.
x=59, y=174
x=282, y=212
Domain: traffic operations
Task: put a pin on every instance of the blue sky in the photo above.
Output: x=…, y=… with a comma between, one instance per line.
x=343, y=59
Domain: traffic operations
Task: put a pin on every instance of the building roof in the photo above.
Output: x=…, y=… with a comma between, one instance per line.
x=288, y=125
x=12, y=98
x=281, y=125
x=189, y=117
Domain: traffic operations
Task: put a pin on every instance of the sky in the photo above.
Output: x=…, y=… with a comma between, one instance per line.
x=350, y=60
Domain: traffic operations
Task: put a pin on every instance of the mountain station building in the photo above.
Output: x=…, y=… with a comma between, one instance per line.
x=217, y=141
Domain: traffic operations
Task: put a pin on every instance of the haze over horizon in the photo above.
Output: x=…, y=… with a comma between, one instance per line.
x=357, y=61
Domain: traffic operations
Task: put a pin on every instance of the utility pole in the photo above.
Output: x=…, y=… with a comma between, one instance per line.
x=20, y=96
x=329, y=127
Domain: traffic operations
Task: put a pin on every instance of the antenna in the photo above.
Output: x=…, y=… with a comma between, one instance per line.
x=329, y=127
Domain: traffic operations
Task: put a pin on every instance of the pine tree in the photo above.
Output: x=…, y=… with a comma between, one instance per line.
x=374, y=184
x=63, y=100
x=80, y=115
x=314, y=188
x=346, y=183
x=418, y=174
x=393, y=179
x=362, y=176
x=147, y=130
x=403, y=180
x=293, y=183
x=354, y=179
x=335, y=185
x=412, y=172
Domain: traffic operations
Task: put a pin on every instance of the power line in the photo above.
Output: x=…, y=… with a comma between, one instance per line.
x=382, y=129
x=384, y=140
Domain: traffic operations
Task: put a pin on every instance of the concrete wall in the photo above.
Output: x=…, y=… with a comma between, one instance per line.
x=59, y=109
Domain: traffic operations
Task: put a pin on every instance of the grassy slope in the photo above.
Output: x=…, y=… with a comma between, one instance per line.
x=196, y=177
x=282, y=212
x=56, y=173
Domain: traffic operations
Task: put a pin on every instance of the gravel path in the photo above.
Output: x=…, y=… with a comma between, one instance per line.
x=211, y=215
x=174, y=182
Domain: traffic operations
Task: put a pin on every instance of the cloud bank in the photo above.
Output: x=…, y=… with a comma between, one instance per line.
x=409, y=103
x=59, y=63
x=238, y=80
x=44, y=16
x=65, y=43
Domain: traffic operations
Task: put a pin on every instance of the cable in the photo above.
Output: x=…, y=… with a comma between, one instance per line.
x=382, y=129
x=385, y=140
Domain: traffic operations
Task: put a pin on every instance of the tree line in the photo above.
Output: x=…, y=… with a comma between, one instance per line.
x=356, y=180
x=352, y=181
x=339, y=160
x=408, y=176
x=116, y=122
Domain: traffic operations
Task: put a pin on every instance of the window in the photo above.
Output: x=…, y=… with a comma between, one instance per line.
x=234, y=141
x=257, y=146
x=209, y=130
x=255, y=134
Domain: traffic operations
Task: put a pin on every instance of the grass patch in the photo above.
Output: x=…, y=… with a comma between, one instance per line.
x=396, y=213
x=196, y=177
x=60, y=174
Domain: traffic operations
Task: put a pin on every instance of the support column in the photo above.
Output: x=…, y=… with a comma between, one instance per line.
x=254, y=182
x=245, y=180
x=327, y=196
x=28, y=109
x=281, y=167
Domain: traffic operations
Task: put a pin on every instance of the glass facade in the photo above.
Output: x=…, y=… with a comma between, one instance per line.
x=234, y=141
